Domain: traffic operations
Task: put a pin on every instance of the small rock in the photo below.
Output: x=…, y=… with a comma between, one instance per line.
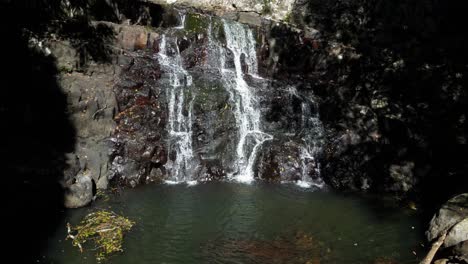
x=80, y=193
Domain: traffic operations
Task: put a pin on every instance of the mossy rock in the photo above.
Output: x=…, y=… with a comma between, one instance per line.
x=196, y=23
x=211, y=96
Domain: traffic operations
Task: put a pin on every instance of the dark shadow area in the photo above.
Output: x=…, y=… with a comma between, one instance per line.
x=392, y=79
x=36, y=132
x=35, y=136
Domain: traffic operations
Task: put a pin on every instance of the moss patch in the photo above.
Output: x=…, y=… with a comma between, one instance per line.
x=196, y=23
x=105, y=229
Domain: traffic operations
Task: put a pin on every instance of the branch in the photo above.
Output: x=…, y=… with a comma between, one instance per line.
x=435, y=247
x=99, y=111
x=69, y=231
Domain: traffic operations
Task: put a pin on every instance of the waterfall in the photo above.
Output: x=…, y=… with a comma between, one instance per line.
x=240, y=41
x=312, y=146
x=179, y=118
x=182, y=21
x=231, y=56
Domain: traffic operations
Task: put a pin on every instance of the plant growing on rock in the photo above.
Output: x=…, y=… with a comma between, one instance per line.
x=105, y=228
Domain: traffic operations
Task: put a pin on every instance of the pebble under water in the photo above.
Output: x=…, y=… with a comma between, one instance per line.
x=258, y=223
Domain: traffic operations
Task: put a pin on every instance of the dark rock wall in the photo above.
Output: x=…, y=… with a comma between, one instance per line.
x=392, y=83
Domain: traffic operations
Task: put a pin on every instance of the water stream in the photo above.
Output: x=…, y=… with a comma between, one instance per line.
x=240, y=41
x=234, y=56
x=180, y=107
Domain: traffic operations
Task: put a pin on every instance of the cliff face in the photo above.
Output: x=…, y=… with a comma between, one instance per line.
x=271, y=9
x=393, y=85
x=386, y=79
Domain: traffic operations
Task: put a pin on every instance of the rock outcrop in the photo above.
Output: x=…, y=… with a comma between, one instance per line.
x=381, y=130
x=452, y=219
x=270, y=9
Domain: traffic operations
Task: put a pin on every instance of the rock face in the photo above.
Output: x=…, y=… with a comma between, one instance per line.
x=452, y=217
x=277, y=9
x=332, y=66
x=144, y=150
x=381, y=102
x=92, y=106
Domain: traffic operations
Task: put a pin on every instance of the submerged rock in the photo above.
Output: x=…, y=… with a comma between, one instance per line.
x=300, y=248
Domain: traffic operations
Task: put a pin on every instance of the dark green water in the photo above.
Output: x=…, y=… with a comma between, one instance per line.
x=259, y=223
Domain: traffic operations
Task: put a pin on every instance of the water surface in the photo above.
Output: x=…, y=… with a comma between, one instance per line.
x=258, y=223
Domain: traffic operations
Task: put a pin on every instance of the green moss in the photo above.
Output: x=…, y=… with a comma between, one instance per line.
x=266, y=7
x=102, y=195
x=105, y=229
x=288, y=17
x=211, y=97
x=65, y=68
x=196, y=23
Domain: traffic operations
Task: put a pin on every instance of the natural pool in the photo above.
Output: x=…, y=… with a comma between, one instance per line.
x=258, y=223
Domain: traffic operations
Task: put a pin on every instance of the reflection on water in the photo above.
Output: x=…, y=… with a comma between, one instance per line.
x=260, y=223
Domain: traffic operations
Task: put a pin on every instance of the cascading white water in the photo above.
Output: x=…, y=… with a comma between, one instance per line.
x=234, y=56
x=240, y=41
x=179, y=124
x=312, y=146
x=182, y=21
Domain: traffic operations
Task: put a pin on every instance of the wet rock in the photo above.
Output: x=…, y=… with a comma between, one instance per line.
x=135, y=37
x=284, y=161
x=460, y=251
x=156, y=175
x=452, y=217
x=138, y=144
x=80, y=193
x=403, y=177
x=279, y=163
x=214, y=125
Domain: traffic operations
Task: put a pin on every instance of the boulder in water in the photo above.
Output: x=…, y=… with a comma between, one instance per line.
x=453, y=219
x=80, y=193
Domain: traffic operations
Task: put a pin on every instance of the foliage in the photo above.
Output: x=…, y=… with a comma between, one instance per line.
x=106, y=229
x=266, y=7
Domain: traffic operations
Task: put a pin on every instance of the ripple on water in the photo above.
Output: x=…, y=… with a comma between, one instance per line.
x=238, y=223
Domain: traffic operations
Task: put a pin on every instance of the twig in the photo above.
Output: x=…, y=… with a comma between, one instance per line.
x=106, y=230
x=69, y=231
x=99, y=111
x=435, y=247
